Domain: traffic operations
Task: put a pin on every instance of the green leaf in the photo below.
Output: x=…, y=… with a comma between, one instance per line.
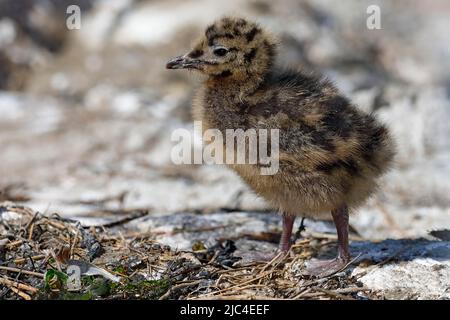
x=55, y=280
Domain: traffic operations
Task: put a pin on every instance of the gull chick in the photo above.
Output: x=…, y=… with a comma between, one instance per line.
x=330, y=152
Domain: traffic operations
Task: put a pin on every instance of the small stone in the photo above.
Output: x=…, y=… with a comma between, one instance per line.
x=227, y=263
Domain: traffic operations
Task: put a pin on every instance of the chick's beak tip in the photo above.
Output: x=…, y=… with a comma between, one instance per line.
x=175, y=63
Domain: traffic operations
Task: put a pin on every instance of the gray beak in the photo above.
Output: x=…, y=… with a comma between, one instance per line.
x=183, y=62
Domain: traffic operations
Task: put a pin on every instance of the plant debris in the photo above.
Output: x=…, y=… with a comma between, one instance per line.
x=38, y=255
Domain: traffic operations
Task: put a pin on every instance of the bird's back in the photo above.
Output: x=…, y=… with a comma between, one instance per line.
x=321, y=128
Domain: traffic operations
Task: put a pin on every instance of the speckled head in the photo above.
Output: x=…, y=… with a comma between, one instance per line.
x=230, y=47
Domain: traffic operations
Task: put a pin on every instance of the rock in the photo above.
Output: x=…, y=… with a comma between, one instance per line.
x=418, y=269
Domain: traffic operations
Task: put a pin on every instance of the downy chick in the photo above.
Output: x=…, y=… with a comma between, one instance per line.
x=330, y=152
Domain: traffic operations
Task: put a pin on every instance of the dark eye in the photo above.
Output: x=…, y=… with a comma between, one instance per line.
x=220, y=52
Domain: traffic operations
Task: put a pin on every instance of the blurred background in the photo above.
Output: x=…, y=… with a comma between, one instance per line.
x=86, y=115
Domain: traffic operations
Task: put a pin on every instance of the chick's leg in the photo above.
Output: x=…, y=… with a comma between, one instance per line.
x=340, y=218
x=284, y=245
x=328, y=267
x=285, y=241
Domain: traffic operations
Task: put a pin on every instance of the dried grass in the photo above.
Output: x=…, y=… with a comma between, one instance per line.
x=37, y=243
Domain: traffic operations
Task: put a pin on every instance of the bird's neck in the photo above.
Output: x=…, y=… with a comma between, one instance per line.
x=238, y=85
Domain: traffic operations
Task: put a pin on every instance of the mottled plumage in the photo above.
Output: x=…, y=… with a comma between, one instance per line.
x=331, y=153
